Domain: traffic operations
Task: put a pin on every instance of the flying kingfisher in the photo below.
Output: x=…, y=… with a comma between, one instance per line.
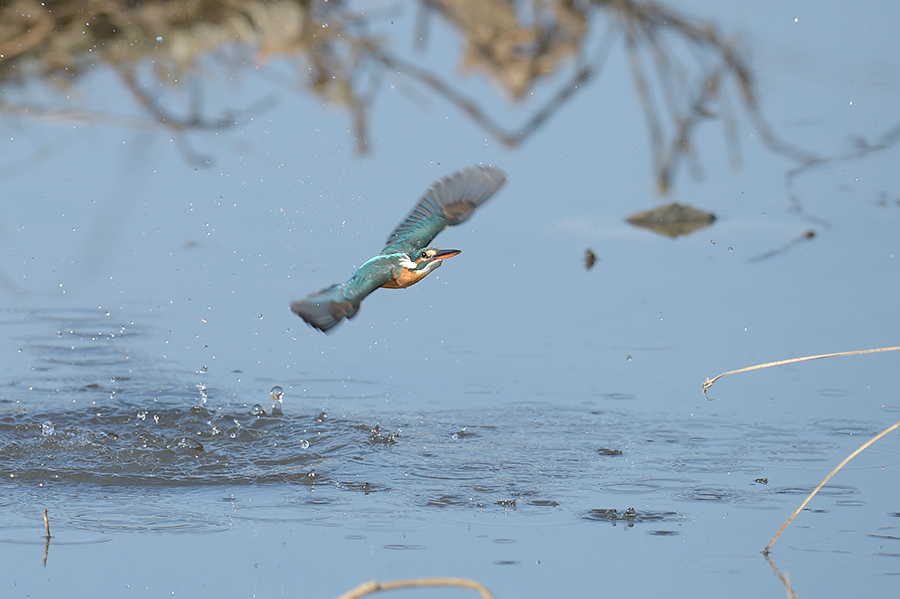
x=407, y=258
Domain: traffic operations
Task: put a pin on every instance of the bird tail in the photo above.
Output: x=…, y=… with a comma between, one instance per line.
x=325, y=309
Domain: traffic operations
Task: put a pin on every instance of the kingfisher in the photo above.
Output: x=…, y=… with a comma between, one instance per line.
x=407, y=258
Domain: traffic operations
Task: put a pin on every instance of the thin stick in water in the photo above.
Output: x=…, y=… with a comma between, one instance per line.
x=709, y=382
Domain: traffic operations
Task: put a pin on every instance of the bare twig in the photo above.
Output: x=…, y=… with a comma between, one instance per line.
x=709, y=382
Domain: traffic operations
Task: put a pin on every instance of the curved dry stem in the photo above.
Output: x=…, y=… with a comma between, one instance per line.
x=709, y=382
x=373, y=586
x=862, y=448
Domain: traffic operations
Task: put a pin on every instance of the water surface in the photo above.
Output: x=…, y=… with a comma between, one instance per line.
x=517, y=418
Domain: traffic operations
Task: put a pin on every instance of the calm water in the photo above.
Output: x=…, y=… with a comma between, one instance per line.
x=517, y=418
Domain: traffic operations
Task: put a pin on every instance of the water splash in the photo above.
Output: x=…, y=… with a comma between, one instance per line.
x=201, y=387
x=277, y=396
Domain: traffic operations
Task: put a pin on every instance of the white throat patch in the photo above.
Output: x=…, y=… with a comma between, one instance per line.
x=405, y=262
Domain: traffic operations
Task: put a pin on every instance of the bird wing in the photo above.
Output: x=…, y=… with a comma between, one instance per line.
x=448, y=202
x=325, y=309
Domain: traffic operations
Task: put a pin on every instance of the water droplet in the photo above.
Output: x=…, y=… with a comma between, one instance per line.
x=159, y=39
x=203, y=397
x=304, y=444
x=48, y=429
x=628, y=358
x=277, y=395
x=712, y=241
x=257, y=410
x=730, y=249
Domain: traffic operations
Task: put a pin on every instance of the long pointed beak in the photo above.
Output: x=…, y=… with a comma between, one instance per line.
x=441, y=255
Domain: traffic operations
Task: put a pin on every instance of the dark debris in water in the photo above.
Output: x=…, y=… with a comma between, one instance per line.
x=609, y=452
x=544, y=503
x=462, y=434
x=630, y=516
x=376, y=435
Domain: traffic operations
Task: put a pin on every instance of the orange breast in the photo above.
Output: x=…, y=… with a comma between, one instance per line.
x=407, y=277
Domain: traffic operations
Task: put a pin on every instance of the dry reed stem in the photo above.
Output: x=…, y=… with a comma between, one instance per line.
x=47, y=538
x=374, y=586
x=827, y=478
x=709, y=382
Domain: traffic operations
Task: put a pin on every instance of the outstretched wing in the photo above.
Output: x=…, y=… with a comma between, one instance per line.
x=325, y=309
x=448, y=202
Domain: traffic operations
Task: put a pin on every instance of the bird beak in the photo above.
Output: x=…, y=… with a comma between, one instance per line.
x=441, y=255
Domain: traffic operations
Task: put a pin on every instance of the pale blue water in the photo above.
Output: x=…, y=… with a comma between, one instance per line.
x=462, y=427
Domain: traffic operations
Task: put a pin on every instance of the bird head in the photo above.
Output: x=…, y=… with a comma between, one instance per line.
x=430, y=257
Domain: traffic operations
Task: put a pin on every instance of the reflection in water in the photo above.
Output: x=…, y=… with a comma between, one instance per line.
x=683, y=68
x=673, y=220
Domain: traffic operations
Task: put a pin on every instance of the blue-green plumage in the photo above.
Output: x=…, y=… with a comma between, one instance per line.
x=406, y=259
